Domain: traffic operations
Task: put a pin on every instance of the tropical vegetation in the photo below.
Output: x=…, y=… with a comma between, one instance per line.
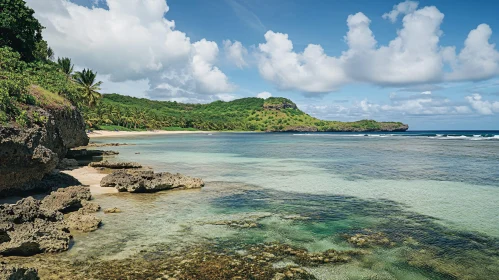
x=28, y=74
x=120, y=112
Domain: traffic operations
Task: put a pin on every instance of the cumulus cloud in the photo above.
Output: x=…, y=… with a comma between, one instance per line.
x=413, y=57
x=478, y=60
x=264, y=94
x=236, y=53
x=309, y=71
x=482, y=106
x=133, y=41
x=419, y=104
x=402, y=8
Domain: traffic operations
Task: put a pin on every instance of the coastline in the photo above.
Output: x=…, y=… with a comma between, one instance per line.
x=90, y=176
x=109, y=133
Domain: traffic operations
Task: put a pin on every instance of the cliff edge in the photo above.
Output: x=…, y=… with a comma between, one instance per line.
x=32, y=146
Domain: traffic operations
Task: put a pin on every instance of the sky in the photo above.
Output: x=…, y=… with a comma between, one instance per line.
x=430, y=64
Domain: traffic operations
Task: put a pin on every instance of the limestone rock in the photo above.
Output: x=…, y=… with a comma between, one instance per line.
x=115, y=165
x=67, y=199
x=27, y=229
x=67, y=164
x=83, y=222
x=29, y=153
x=112, y=210
x=8, y=272
x=148, y=181
x=89, y=207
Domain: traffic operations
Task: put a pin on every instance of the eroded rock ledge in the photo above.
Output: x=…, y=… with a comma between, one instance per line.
x=148, y=181
x=27, y=154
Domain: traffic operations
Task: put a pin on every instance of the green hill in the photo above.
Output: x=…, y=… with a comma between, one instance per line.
x=116, y=111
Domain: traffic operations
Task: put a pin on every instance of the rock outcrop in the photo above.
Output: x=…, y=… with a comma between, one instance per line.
x=148, y=181
x=81, y=221
x=67, y=164
x=67, y=199
x=115, y=165
x=8, y=272
x=27, y=154
x=27, y=229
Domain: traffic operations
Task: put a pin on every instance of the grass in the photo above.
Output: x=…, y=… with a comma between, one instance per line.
x=48, y=99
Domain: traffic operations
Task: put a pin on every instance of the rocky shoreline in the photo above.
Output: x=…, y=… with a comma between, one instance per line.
x=39, y=226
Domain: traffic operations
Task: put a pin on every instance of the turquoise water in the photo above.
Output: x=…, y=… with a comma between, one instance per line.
x=434, y=194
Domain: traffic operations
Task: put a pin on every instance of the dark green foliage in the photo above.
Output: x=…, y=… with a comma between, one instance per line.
x=245, y=114
x=21, y=31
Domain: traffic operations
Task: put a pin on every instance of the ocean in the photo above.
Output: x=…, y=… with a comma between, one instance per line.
x=433, y=194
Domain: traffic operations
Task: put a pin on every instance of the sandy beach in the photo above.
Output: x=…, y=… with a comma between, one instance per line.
x=90, y=176
x=108, y=133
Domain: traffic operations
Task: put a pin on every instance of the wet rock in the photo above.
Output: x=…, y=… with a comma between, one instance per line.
x=235, y=224
x=27, y=229
x=88, y=155
x=95, y=145
x=67, y=164
x=112, y=210
x=115, y=165
x=67, y=199
x=148, y=181
x=81, y=221
x=294, y=217
x=8, y=272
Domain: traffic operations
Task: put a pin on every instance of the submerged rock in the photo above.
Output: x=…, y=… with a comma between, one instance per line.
x=8, y=272
x=27, y=229
x=115, y=165
x=148, y=181
x=368, y=239
x=67, y=199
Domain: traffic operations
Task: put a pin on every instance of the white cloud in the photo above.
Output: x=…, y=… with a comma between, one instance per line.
x=310, y=71
x=236, y=53
x=402, y=8
x=226, y=97
x=482, y=106
x=421, y=104
x=413, y=57
x=264, y=94
x=133, y=41
x=478, y=60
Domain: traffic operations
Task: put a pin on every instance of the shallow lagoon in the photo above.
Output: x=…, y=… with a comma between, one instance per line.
x=434, y=199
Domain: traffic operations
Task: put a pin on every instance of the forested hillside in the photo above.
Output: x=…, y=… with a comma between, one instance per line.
x=116, y=111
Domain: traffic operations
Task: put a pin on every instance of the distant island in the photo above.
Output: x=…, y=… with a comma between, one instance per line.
x=274, y=114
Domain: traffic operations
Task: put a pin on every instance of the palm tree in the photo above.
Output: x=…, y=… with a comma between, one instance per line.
x=86, y=79
x=66, y=66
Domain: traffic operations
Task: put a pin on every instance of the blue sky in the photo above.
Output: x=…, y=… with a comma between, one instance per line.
x=431, y=64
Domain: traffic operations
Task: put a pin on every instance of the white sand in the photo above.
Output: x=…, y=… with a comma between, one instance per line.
x=108, y=133
x=90, y=176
